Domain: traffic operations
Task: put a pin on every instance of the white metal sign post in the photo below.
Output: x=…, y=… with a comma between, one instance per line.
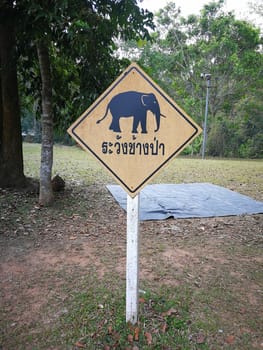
x=134, y=129
x=132, y=259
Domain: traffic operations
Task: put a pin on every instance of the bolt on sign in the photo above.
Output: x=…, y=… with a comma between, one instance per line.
x=134, y=129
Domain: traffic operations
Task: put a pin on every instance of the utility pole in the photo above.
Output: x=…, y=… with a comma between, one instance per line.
x=207, y=77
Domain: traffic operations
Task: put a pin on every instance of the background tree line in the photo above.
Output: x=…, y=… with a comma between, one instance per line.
x=229, y=49
x=56, y=57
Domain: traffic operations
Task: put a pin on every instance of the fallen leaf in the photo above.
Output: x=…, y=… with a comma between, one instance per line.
x=230, y=339
x=141, y=300
x=72, y=238
x=106, y=347
x=200, y=338
x=148, y=337
x=164, y=327
x=116, y=336
x=78, y=344
x=130, y=338
x=110, y=330
x=170, y=312
x=136, y=333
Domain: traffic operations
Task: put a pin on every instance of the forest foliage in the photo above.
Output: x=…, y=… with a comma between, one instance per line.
x=229, y=49
x=61, y=54
x=87, y=56
x=82, y=40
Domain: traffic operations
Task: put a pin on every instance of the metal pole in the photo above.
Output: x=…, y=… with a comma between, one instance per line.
x=208, y=79
x=132, y=259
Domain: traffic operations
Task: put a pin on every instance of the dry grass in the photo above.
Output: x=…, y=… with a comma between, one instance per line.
x=63, y=268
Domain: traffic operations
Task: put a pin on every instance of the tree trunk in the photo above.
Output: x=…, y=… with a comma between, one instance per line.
x=45, y=191
x=11, y=155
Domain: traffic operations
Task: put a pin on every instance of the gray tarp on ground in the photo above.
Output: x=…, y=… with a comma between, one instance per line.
x=195, y=200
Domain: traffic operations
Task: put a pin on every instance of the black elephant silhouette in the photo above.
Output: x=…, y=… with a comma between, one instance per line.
x=133, y=104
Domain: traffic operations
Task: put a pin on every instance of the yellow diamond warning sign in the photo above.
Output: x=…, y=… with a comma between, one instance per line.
x=134, y=128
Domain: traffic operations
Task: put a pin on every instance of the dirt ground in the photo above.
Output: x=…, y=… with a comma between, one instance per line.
x=43, y=250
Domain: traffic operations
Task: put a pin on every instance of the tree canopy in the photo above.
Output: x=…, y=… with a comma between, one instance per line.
x=229, y=49
x=73, y=42
x=82, y=40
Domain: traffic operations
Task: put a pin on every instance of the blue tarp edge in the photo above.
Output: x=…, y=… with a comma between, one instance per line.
x=194, y=200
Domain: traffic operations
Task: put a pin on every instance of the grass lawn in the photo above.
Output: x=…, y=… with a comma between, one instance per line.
x=62, y=275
